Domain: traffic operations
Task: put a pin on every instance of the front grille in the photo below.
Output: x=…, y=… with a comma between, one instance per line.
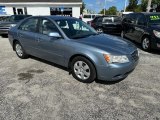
x=135, y=55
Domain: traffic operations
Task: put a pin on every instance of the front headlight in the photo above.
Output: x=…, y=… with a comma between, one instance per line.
x=116, y=59
x=156, y=33
x=12, y=25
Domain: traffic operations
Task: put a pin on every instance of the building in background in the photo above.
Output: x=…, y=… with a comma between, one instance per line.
x=41, y=7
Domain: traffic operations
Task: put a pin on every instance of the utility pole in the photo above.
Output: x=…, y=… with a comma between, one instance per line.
x=125, y=5
x=105, y=7
x=149, y=5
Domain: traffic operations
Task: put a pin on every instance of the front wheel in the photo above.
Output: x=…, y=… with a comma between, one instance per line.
x=83, y=70
x=20, y=51
x=146, y=44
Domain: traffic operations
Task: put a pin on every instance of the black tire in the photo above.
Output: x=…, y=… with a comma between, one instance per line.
x=23, y=54
x=100, y=30
x=146, y=44
x=85, y=62
x=4, y=35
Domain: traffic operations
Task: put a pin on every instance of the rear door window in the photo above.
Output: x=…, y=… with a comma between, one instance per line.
x=141, y=20
x=87, y=16
x=29, y=25
x=132, y=19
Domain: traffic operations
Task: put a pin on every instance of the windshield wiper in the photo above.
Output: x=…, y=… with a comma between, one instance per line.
x=84, y=36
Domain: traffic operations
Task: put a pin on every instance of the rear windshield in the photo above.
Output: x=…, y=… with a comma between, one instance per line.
x=108, y=19
x=87, y=16
x=154, y=19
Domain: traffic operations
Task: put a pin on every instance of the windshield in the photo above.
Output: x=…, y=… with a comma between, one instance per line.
x=4, y=18
x=74, y=28
x=154, y=19
x=17, y=18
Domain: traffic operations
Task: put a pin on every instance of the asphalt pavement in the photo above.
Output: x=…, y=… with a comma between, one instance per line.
x=33, y=89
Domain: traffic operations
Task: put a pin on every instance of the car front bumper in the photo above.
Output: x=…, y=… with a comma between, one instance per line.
x=114, y=72
x=155, y=43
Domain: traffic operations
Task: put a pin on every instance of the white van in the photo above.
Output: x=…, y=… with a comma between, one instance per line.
x=89, y=17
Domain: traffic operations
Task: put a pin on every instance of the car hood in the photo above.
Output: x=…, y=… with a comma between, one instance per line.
x=110, y=44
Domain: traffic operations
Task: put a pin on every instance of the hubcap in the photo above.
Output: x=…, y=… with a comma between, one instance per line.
x=99, y=30
x=82, y=70
x=145, y=43
x=19, y=50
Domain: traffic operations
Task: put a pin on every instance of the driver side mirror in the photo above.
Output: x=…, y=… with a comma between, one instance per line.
x=55, y=35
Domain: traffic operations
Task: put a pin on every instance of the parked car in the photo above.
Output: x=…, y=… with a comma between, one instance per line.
x=10, y=21
x=89, y=17
x=143, y=28
x=107, y=24
x=4, y=18
x=125, y=13
x=72, y=43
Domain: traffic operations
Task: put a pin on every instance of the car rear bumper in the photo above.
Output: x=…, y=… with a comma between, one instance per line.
x=4, y=31
x=115, y=72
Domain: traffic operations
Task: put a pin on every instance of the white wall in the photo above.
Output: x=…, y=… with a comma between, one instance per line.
x=76, y=12
x=38, y=10
x=42, y=11
x=9, y=10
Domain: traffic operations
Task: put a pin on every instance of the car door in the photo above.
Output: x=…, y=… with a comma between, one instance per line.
x=27, y=33
x=140, y=28
x=50, y=48
x=131, y=26
x=126, y=26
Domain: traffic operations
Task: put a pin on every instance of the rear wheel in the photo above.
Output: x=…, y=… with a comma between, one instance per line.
x=99, y=30
x=146, y=44
x=19, y=50
x=83, y=70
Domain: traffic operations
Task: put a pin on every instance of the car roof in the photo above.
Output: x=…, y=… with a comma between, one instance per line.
x=56, y=17
x=21, y=15
x=145, y=13
x=109, y=16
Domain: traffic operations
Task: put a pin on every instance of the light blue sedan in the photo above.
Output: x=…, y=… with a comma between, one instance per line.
x=71, y=43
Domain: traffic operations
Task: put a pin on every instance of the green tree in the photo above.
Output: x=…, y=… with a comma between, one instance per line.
x=83, y=7
x=133, y=4
x=111, y=11
x=145, y=2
